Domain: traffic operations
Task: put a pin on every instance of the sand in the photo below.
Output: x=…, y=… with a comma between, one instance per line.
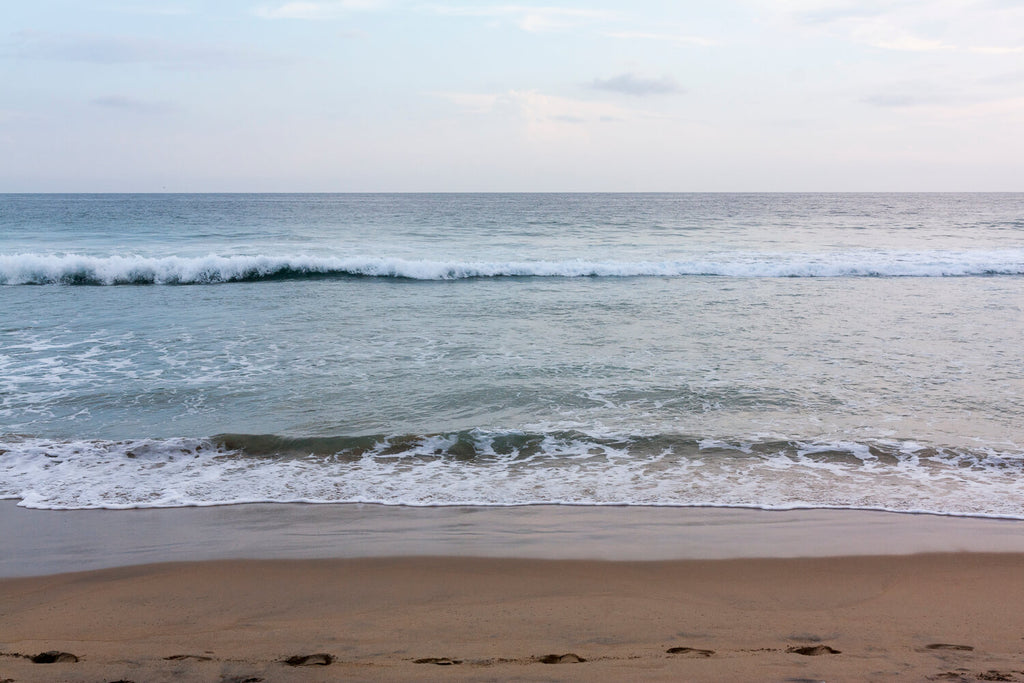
x=39, y=542
x=537, y=593
x=953, y=616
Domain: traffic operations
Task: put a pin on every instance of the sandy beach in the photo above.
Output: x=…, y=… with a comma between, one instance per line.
x=891, y=608
x=920, y=617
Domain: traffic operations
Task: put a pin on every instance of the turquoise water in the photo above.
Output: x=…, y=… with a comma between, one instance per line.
x=770, y=351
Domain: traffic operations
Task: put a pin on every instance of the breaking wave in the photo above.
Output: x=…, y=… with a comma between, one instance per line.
x=79, y=269
x=500, y=468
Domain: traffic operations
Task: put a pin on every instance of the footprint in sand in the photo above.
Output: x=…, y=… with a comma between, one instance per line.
x=949, y=646
x=567, y=658
x=53, y=657
x=813, y=650
x=318, y=659
x=966, y=676
x=440, y=661
x=690, y=651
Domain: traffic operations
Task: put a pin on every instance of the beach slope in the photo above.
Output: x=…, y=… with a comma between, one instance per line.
x=947, y=617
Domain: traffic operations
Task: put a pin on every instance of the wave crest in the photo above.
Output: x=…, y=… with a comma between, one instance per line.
x=499, y=468
x=79, y=269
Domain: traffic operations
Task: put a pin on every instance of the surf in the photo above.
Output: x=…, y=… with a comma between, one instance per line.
x=110, y=270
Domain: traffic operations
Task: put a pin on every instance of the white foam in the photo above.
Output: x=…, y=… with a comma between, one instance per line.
x=560, y=470
x=19, y=269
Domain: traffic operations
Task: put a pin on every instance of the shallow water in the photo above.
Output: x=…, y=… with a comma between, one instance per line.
x=771, y=351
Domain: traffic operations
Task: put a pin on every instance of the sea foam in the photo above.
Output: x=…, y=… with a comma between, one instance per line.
x=510, y=468
x=80, y=269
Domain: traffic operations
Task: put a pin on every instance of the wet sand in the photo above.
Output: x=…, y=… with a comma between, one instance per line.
x=47, y=541
x=919, y=617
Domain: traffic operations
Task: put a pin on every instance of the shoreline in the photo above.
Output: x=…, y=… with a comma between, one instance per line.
x=41, y=542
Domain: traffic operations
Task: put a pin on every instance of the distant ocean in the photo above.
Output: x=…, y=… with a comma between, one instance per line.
x=772, y=351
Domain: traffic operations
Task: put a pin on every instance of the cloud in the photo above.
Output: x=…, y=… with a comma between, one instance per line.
x=631, y=84
x=996, y=50
x=986, y=27
x=327, y=9
x=828, y=11
x=664, y=37
x=882, y=34
x=542, y=117
x=101, y=49
x=549, y=117
x=532, y=19
x=535, y=105
x=932, y=94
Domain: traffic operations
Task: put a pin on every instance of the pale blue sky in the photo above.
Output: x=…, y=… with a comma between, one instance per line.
x=394, y=95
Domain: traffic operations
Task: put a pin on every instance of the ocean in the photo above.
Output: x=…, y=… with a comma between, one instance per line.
x=774, y=351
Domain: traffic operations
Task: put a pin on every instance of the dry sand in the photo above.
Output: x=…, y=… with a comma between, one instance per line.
x=944, y=617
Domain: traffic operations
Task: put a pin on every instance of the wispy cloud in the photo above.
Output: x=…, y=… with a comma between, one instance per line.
x=543, y=115
x=664, y=37
x=631, y=84
x=549, y=117
x=103, y=49
x=532, y=19
x=884, y=35
x=325, y=9
x=938, y=95
x=978, y=26
x=996, y=49
x=828, y=11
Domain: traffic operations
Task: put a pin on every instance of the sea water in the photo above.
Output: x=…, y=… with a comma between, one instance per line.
x=758, y=350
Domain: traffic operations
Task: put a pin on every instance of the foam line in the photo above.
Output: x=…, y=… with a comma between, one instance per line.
x=79, y=269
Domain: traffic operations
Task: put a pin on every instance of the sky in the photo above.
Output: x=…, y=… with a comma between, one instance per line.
x=458, y=95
